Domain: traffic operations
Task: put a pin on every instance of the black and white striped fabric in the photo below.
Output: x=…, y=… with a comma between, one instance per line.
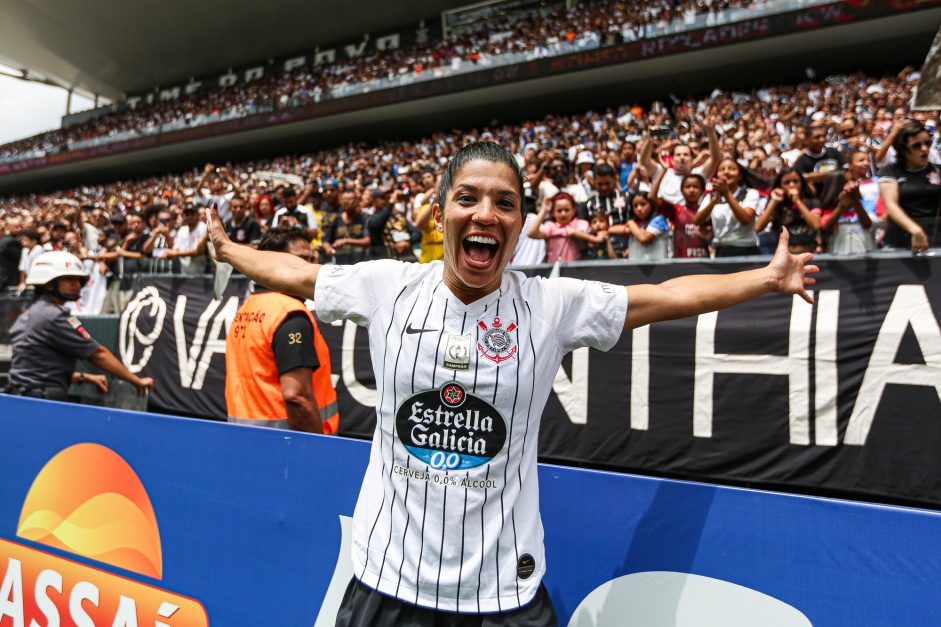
x=448, y=515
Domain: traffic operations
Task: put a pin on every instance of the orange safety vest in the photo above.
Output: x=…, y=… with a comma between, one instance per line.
x=252, y=384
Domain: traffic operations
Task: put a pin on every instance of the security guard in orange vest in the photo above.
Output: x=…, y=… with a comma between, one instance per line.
x=277, y=363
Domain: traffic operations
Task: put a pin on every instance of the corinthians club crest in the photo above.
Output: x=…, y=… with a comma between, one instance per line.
x=497, y=343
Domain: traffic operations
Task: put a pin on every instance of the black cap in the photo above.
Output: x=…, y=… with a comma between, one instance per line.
x=190, y=208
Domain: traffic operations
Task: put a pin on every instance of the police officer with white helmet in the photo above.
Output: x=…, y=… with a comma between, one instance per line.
x=47, y=340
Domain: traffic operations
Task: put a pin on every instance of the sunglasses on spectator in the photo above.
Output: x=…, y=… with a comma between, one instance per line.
x=919, y=145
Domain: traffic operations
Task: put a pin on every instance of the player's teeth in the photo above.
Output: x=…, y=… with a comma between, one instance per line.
x=482, y=240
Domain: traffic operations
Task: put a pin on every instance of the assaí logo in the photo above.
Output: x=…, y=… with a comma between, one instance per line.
x=89, y=502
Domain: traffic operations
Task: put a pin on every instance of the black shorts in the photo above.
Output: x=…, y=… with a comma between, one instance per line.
x=364, y=607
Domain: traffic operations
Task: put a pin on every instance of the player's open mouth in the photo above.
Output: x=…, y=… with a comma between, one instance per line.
x=480, y=250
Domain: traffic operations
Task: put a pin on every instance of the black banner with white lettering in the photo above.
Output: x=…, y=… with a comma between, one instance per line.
x=173, y=329
x=842, y=395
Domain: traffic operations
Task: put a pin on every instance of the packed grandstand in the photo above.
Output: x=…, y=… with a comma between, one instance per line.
x=840, y=123
x=543, y=31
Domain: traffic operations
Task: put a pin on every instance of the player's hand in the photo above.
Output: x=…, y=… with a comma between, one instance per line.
x=789, y=272
x=217, y=236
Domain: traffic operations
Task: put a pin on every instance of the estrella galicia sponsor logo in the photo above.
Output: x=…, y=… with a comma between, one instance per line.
x=450, y=428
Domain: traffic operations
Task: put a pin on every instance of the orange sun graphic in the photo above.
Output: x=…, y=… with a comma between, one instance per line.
x=88, y=501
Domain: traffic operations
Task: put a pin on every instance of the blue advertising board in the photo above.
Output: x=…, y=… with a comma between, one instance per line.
x=109, y=517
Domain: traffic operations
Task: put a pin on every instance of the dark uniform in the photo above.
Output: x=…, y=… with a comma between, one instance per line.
x=47, y=340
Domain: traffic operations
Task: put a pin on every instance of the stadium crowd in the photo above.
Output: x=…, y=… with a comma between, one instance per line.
x=540, y=32
x=715, y=176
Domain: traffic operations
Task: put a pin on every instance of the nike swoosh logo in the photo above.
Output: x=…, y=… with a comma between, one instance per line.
x=410, y=330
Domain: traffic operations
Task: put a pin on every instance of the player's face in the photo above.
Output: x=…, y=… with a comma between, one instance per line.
x=481, y=223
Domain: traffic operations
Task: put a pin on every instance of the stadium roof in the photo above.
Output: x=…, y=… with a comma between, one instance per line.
x=114, y=47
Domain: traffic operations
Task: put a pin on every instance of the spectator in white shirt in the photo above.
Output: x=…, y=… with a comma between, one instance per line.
x=32, y=248
x=189, y=245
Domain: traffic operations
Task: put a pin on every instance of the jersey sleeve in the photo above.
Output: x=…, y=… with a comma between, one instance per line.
x=68, y=336
x=354, y=292
x=293, y=344
x=583, y=313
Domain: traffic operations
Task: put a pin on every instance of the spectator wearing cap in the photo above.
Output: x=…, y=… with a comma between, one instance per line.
x=584, y=163
x=217, y=192
x=330, y=207
x=293, y=213
x=347, y=240
x=189, y=245
x=56, y=237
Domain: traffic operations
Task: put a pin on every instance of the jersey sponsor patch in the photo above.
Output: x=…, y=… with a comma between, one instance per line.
x=450, y=429
x=457, y=352
x=497, y=344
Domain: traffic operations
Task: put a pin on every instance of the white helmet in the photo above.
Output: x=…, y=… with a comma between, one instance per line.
x=54, y=265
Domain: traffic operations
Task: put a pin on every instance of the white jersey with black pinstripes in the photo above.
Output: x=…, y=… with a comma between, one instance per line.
x=448, y=515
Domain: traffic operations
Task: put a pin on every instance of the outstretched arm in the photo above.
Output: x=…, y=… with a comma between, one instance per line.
x=697, y=294
x=282, y=272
